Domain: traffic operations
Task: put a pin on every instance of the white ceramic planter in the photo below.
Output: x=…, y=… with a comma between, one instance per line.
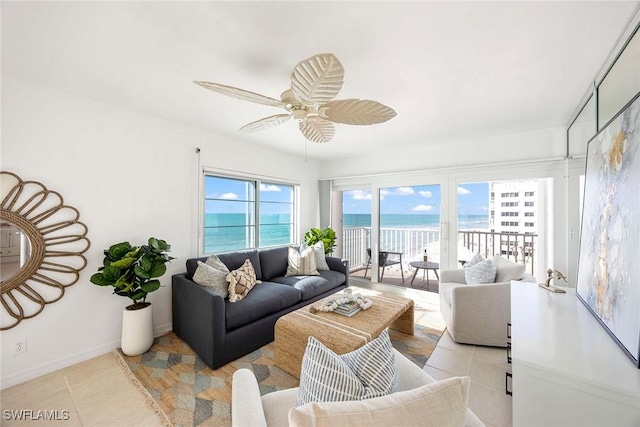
x=137, y=331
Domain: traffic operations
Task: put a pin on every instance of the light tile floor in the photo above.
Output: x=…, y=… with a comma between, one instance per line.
x=98, y=393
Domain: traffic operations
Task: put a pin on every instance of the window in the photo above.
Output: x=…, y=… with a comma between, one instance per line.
x=528, y=203
x=528, y=193
x=509, y=213
x=509, y=223
x=528, y=224
x=231, y=207
x=528, y=214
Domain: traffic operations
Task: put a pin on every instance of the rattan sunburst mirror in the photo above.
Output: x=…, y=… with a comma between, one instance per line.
x=43, y=243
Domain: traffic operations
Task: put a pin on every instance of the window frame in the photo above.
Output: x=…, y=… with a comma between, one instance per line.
x=257, y=181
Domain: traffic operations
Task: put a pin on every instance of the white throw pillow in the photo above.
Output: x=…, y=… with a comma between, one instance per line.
x=212, y=274
x=318, y=248
x=301, y=263
x=480, y=273
x=367, y=372
x=507, y=270
x=474, y=260
x=443, y=403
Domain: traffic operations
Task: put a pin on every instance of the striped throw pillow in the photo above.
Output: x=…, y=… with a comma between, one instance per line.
x=301, y=263
x=367, y=372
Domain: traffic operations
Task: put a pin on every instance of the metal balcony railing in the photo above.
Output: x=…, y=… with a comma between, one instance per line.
x=517, y=247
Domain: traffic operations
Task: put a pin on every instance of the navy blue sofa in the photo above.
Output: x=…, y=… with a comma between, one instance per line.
x=220, y=331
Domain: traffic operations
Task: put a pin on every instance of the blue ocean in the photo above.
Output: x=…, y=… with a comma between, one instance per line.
x=227, y=232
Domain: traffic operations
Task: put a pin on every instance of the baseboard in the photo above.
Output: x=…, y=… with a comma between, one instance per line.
x=63, y=362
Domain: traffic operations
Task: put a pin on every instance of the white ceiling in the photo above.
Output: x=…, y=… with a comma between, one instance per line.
x=451, y=70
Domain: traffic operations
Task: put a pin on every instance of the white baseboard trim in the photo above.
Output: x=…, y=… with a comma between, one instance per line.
x=63, y=362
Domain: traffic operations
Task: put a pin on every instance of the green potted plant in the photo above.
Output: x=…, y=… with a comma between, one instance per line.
x=134, y=272
x=325, y=235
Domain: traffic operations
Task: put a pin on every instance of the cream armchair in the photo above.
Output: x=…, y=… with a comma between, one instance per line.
x=249, y=409
x=477, y=314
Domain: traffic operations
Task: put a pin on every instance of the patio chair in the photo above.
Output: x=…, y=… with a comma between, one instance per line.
x=384, y=262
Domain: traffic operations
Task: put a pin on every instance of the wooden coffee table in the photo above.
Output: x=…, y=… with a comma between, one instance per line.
x=340, y=333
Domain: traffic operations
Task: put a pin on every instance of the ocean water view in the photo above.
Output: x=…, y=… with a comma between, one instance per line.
x=423, y=221
x=228, y=231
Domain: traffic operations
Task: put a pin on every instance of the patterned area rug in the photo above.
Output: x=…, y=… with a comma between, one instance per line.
x=186, y=392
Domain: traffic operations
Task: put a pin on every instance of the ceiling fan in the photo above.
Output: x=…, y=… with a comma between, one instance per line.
x=314, y=83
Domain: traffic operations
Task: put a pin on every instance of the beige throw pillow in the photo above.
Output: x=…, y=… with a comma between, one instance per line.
x=443, y=403
x=301, y=263
x=214, y=278
x=241, y=281
x=318, y=248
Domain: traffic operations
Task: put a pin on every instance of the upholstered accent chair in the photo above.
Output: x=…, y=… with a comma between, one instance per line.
x=478, y=313
x=249, y=409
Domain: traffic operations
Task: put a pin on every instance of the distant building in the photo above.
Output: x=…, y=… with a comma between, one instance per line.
x=513, y=209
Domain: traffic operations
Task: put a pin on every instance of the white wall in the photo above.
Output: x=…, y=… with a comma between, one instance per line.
x=524, y=146
x=98, y=157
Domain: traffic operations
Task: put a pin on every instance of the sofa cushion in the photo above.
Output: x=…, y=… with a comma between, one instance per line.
x=235, y=260
x=214, y=278
x=507, y=270
x=480, y=273
x=367, y=372
x=241, y=281
x=443, y=403
x=273, y=262
x=311, y=286
x=263, y=300
x=301, y=262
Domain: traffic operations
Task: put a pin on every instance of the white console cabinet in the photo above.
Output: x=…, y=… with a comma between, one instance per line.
x=567, y=370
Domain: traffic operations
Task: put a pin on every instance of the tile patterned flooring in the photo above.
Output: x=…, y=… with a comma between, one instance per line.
x=98, y=393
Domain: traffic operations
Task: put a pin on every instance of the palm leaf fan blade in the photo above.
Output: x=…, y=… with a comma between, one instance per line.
x=317, y=80
x=316, y=129
x=356, y=112
x=265, y=123
x=242, y=94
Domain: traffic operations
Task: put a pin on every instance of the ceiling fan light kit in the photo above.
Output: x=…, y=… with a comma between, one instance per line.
x=314, y=83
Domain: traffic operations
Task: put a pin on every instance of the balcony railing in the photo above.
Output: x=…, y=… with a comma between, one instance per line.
x=519, y=248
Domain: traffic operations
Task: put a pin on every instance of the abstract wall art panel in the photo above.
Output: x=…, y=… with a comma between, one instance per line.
x=609, y=267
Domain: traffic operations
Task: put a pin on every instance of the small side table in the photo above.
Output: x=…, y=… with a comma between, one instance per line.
x=426, y=266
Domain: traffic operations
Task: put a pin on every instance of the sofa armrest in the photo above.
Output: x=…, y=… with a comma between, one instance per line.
x=410, y=376
x=341, y=265
x=246, y=407
x=453, y=276
x=198, y=317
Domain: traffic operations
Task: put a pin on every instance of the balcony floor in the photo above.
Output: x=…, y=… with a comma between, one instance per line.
x=393, y=277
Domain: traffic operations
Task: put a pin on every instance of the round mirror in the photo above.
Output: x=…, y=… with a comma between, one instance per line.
x=45, y=243
x=14, y=250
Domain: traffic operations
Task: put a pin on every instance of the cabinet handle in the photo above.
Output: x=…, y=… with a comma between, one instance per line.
x=509, y=352
x=509, y=330
x=506, y=383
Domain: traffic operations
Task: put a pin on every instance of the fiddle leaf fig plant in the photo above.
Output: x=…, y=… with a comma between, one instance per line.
x=133, y=271
x=325, y=235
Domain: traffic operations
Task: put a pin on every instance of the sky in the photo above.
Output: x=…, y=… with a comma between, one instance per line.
x=473, y=199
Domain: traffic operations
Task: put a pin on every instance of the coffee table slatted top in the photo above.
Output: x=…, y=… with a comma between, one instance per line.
x=340, y=333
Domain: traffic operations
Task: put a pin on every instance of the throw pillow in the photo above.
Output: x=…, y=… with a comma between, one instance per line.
x=318, y=248
x=480, y=273
x=241, y=281
x=507, y=270
x=443, y=403
x=214, y=278
x=474, y=260
x=301, y=263
x=367, y=372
